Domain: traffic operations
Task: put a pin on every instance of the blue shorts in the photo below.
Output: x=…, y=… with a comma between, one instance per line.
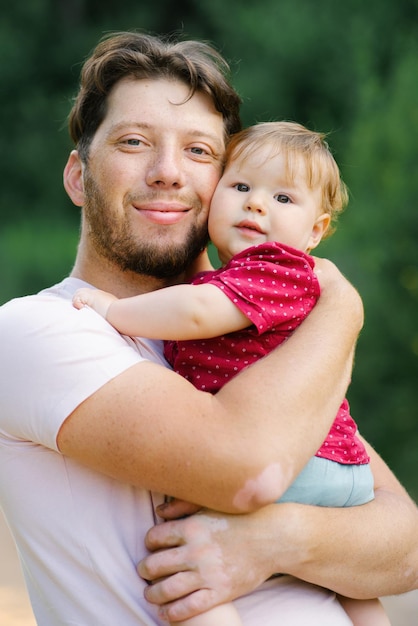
x=326, y=483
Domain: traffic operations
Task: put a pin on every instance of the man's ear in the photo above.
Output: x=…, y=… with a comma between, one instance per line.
x=73, y=179
x=319, y=229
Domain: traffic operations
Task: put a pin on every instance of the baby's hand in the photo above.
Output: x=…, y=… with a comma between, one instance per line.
x=96, y=299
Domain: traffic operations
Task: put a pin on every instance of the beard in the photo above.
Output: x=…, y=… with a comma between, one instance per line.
x=113, y=239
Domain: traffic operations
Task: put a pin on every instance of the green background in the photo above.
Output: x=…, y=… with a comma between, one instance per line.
x=346, y=68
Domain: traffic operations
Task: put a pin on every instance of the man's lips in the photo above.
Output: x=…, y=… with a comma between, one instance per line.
x=163, y=213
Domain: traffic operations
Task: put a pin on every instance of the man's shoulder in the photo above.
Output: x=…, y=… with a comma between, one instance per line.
x=31, y=309
x=47, y=322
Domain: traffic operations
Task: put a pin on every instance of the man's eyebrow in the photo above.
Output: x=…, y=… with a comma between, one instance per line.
x=200, y=134
x=120, y=126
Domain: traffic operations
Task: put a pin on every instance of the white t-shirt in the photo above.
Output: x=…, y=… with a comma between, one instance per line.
x=80, y=534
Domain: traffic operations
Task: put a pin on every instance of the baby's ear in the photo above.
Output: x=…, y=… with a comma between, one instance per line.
x=319, y=229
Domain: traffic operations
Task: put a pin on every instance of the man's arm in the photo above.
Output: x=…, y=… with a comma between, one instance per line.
x=237, y=450
x=367, y=551
x=362, y=552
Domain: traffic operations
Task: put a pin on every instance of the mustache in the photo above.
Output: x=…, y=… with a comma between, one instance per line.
x=190, y=200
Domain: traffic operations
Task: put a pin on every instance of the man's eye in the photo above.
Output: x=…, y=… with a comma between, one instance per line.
x=197, y=150
x=133, y=141
x=281, y=197
x=241, y=187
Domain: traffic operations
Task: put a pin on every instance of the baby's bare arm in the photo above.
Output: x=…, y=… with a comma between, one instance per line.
x=96, y=299
x=177, y=312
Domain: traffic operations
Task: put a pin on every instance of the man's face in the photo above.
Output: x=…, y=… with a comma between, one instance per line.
x=153, y=165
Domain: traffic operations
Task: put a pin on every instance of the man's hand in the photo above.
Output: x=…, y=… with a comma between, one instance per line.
x=200, y=561
x=330, y=277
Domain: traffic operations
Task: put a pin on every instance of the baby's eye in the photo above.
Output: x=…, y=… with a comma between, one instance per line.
x=281, y=197
x=242, y=187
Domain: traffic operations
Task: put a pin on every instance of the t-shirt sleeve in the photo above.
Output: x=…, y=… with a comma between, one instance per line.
x=53, y=357
x=274, y=286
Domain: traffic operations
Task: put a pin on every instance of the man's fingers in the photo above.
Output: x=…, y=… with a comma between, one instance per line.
x=173, y=588
x=180, y=596
x=193, y=529
x=161, y=564
x=187, y=607
x=167, y=535
x=175, y=509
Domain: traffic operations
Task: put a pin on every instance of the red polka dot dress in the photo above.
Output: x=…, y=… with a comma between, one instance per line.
x=276, y=288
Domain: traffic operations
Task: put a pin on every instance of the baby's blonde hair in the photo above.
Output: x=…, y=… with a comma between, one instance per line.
x=295, y=140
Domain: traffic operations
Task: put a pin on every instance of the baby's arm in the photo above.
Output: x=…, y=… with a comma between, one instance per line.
x=180, y=312
x=96, y=299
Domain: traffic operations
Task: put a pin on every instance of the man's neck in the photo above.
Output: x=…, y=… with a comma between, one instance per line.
x=104, y=275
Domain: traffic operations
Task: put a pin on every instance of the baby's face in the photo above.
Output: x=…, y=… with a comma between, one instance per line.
x=256, y=202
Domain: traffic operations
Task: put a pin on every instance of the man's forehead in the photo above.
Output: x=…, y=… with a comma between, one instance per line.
x=164, y=92
x=150, y=104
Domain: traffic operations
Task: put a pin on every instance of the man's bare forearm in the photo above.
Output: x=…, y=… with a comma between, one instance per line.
x=362, y=552
x=382, y=561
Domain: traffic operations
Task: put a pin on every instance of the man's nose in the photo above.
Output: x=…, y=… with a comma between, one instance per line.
x=165, y=168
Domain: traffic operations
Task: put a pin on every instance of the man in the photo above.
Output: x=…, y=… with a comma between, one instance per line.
x=93, y=427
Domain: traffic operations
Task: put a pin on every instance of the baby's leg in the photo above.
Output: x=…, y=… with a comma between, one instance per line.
x=222, y=615
x=365, y=612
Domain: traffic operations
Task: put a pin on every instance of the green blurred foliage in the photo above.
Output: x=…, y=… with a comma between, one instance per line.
x=349, y=69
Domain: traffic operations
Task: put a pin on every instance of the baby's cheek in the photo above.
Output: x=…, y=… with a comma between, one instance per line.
x=264, y=489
